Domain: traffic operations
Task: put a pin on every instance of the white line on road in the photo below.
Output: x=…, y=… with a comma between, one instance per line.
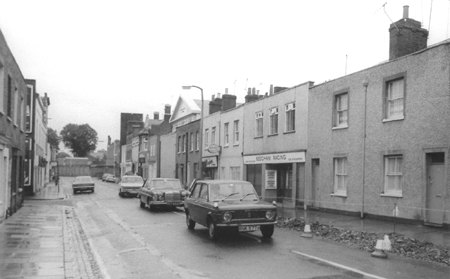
x=338, y=265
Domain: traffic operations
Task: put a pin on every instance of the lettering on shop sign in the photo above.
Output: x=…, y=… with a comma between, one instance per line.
x=293, y=157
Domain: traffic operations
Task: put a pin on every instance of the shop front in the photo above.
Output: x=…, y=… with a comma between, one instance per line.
x=277, y=176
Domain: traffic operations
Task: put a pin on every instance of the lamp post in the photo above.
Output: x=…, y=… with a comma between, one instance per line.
x=188, y=87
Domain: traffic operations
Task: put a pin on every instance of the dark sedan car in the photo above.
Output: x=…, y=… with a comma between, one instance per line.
x=217, y=204
x=83, y=183
x=162, y=192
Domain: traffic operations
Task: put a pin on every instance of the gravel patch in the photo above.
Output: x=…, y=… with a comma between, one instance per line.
x=401, y=245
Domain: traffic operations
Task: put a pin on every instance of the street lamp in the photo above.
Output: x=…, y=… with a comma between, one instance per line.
x=188, y=87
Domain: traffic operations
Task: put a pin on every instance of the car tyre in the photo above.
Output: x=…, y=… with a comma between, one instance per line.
x=213, y=231
x=142, y=205
x=267, y=231
x=189, y=222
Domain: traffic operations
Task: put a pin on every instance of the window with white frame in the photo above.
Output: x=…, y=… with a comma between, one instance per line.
x=206, y=138
x=9, y=99
x=16, y=106
x=22, y=114
x=273, y=121
x=179, y=144
x=2, y=87
x=393, y=175
x=152, y=150
x=259, y=124
x=341, y=110
x=28, y=109
x=290, y=117
x=236, y=132
x=184, y=144
x=340, y=176
x=197, y=141
x=226, y=136
x=192, y=142
x=213, y=135
x=235, y=173
x=394, y=99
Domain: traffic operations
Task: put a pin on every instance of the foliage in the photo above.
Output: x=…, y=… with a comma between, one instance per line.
x=62, y=154
x=53, y=138
x=80, y=139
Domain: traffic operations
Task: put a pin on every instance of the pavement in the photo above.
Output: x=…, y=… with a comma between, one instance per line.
x=44, y=239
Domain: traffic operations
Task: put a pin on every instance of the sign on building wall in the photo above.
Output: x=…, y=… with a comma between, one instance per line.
x=271, y=179
x=211, y=162
x=275, y=158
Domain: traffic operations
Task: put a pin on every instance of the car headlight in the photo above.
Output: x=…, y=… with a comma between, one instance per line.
x=227, y=216
x=270, y=214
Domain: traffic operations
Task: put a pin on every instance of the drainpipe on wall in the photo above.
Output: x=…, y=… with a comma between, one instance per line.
x=366, y=85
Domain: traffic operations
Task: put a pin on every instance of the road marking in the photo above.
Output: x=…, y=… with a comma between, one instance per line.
x=338, y=265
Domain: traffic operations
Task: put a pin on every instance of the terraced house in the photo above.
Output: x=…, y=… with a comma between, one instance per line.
x=378, y=139
x=12, y=131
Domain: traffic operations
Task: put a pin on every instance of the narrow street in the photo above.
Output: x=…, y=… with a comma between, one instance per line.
x=129, y=242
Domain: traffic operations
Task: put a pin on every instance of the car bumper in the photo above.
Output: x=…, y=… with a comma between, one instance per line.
x=246, y=224
x=168, y=203
x=81, y=188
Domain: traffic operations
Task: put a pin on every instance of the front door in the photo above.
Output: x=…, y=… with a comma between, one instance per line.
x=435, y=188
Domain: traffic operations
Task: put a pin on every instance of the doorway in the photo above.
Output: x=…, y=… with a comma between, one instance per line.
x=315, y=164
x=435, y=175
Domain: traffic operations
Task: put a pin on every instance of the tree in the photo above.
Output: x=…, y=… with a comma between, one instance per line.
x=53, y=139
x=80, y=139
x=62, y=154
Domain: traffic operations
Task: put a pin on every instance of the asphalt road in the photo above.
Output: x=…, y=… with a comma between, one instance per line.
x=130, y=242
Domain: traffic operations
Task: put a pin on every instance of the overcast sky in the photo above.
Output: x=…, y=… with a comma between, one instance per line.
x=98, y=58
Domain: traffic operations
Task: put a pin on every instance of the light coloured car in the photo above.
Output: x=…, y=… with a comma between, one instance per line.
x=110, y=178
x=83, y=183
x=168, y=192
x=130, y=185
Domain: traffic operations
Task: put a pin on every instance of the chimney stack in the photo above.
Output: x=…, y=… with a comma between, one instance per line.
x=167, y=113
x=406, y=36
x=405, y=12
x=228, y=101
x=156, y=115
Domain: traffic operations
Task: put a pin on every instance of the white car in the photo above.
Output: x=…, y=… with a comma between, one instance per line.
x=130, y=185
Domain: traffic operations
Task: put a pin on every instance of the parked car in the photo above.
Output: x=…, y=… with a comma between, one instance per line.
x=111, y=178
x=218, y=204
x=130, y=185
x=105, y=175
x=162, y=192
x=83, y=183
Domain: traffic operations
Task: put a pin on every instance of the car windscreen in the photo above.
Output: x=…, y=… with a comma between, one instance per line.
x=221, y=191
x=83, y=179
x=165, y=184
x=132, y=179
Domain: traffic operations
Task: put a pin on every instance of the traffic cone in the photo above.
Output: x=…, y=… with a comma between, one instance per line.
x=307, y=232
x=379, y=253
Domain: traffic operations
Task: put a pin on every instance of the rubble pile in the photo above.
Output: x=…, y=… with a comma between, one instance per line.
x=366, y=241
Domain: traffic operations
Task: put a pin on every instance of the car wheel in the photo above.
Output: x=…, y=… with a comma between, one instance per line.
x=189, y=222
x=212, y=230
x=267, y=231
x=141, y=204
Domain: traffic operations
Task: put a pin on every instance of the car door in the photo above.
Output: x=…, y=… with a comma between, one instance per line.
x=192, y=201
x=203, y=205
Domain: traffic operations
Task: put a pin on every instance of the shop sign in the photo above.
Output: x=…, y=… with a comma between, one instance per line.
x=271, y=179
x=213, y=148
x=210, y=162
x=275, y=158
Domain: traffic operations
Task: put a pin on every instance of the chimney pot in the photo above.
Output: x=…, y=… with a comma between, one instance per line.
x=226, y=90
x=405, y=11
x=156, y=115
x=249, y=91
x=213, y=97
x=218, y=95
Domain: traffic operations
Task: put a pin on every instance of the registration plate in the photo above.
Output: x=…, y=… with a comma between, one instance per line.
x=248, y=228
